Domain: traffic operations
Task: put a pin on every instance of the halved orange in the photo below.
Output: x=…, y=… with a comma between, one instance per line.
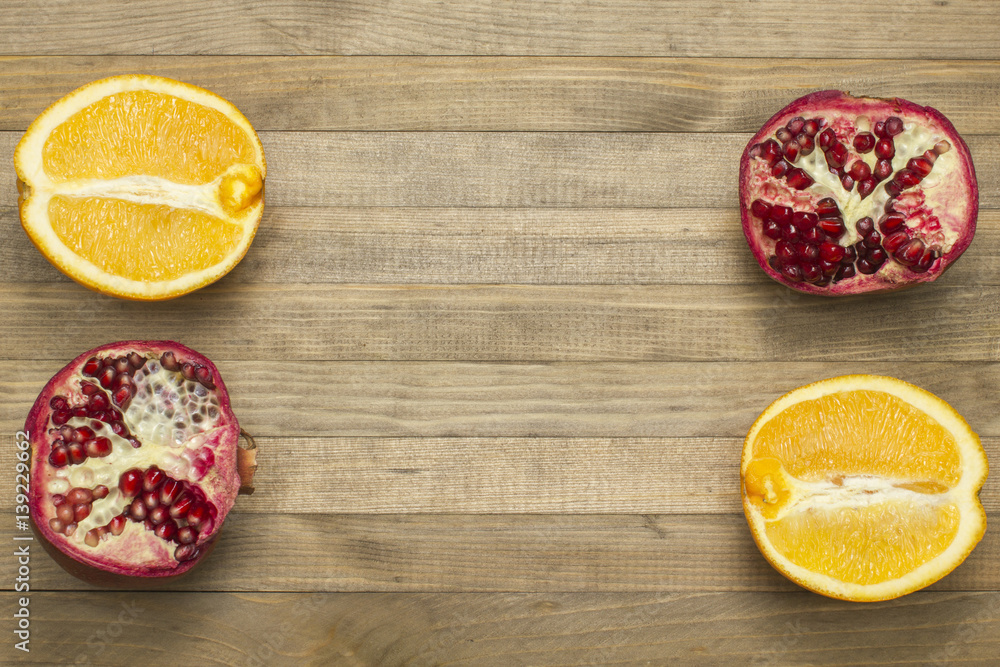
x=141, y=187
x=863, y=487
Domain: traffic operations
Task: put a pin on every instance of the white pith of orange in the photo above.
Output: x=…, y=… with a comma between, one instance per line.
x=132, y=201
x=857, y=517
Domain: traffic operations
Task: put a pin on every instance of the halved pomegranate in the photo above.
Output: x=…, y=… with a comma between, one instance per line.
x=135, y=462
x=842, y=195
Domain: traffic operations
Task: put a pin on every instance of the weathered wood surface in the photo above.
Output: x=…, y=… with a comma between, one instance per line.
x=499, y=334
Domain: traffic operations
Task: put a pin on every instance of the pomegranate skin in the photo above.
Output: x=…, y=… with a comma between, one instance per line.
x=218, y=470
x=941, y=211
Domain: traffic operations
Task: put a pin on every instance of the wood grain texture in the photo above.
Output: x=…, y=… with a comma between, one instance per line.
x=525, y=246
x=501, y=475
x=258, y=630
x=511, y=169
x=519, y=323
x=285, y=398
x=491, y=94
x=692, y=553
x=713, y=28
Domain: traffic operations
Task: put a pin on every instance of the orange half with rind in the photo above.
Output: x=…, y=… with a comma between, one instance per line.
x=863, y=487
x=141, y=187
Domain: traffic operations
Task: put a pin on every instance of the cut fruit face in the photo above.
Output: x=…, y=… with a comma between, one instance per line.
x=863, y=487
x=141, y=187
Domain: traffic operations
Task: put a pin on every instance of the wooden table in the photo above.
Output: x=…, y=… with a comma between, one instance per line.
x=499, y=336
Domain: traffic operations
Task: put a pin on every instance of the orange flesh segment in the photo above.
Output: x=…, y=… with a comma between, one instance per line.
x=147, y=133
x=862, y=434
x=866, y=545
x=147, y=242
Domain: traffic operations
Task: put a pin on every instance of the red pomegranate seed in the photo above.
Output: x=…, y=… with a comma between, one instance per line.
x=122, y=380
x=828, y=268
x=199, y=514
x=831, y=252
x=59, y=456
x=158, y=515
x=865, y=226
x=920, y=166
x=759, y=208
x=883, y=169
x=181, y=506
x=134, y=442
x=892, y=188
x=846, y=271
x=860, y=170
x=864, y=142
x=92, y=366
x=877, y=256
x=89, y=388
x=170, y=490
x=799, y=179
x=57, y=525
x=166, y=529
x=101, y=491
x=117, y=524
x=804, y=220
x=186, y=552
x=77, y=453
x=148, y=524
x=778, y=170
x=811, y=127
x=850, y=254
x=153, y=478
x=169, y=361
x=771, y=154
x=79, y=412
x=82, y=434
x=836, y=157
x=942, y=147
x=92, y=539
x=118, y=427
x=70, y=529
x=98, y=447
x=834, y=227
x=58, y=403
x=99, y=402
x=826, y=139
x=807, y=252
x=795, y=125
x=910, y=253
x=885, y=149
x=811, y=273
x=137, y=510
x=866, y=187
x=107, y=376
x=847, y=182
x=772, y=230
x=785, y=251
x=906, y=178
x=122, y=365
x=806, y=144
x=814, y=235
x=79, y=495
x=895, y=241
x=827, y=208
x=790, y=150
x=789, y=233
x=60, y=417
x=130, y=482
x=873, y=240
x=783, y=134
x=781, y=214
x=123, y=395
x=187, y=535
x=151, y=499
x=792, y=272
x=58, y=499
x=136, y=360
x=879, y=129
x=891, y=222
x=866, y=267
x=893, y=126
x=81, y=511
x=64, y=512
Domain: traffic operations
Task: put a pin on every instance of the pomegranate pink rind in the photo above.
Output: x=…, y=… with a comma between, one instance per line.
x=915, y=189
x=211, y=475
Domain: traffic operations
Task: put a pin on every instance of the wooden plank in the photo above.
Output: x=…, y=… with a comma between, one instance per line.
x=418, y=93
x=355, y=629
x=286, y=397
x=490, y=553
x=369, y=475
x=510, y=169
x=508, y=27
x=517, y=323
x=369, y=246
